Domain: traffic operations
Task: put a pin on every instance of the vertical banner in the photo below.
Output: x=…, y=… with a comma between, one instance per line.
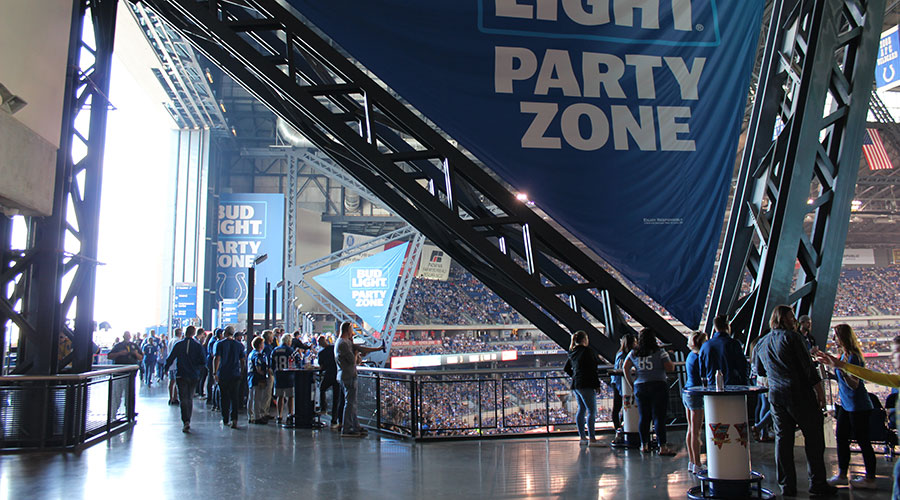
x=229, y=312
x=366, y=286
x=433, y=264
x=887, y=68
x=620, y=119
x=896, y=256
x=249, y=225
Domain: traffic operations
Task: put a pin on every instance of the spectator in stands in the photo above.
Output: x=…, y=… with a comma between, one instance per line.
x=797, y=399
x=582, y=367
x=885, y=379
x=723, y=353
x=329, y=380
x=347, y=356
x=173, y=390
x=229, y=356
x=648, y=383
x=626, y=345
x=854, y=412
x=693, y=403
x=187, y=356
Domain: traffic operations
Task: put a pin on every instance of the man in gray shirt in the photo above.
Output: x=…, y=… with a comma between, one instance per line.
x=347, y=355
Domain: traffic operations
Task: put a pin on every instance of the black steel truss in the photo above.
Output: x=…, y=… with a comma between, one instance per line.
x=434, y=186
x=53, y=277
x=814, y=49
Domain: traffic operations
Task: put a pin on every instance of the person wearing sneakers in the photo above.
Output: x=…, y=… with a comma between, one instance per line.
x=853, y=414
x=693, y=403
x=648, y=381
x=582, y=367
x=227, y=362
x=187, y=355
x=347, y=355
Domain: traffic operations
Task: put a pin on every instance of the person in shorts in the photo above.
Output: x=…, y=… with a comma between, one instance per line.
x=693, y=403
x=284, y=380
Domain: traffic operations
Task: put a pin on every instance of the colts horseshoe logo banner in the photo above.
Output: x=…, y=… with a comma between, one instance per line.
x=619, y=118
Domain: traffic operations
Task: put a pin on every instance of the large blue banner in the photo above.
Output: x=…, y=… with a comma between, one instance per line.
x=366, y=286
x=619, y=118
x=249, y=226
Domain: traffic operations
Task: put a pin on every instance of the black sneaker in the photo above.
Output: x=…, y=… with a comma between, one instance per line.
x=821, y=490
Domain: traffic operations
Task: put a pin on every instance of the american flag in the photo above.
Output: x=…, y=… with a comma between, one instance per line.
x=873, y=148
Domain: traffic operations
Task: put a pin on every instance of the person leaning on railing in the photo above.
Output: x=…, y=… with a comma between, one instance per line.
x=885, y=379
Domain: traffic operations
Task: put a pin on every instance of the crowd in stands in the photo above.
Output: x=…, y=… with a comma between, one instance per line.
x=463, y=299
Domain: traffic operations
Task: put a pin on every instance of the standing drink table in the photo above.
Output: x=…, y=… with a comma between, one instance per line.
x=630, y=416
x=728, y=473
x=304, y=397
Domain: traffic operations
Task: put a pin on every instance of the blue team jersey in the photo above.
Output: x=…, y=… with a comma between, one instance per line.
x=256, y=368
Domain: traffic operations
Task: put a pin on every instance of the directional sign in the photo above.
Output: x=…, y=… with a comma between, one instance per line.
x=887, y=71
x=229, y=311
x=185, y=306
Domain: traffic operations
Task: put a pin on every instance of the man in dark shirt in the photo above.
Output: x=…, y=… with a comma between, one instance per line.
x=797, y=400
x=723, y=352
x=329, y=380
x=806, y=331
x=227, y=364
x=188, y=357
x=125, y=352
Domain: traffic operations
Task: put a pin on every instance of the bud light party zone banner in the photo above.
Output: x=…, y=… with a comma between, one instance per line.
x=366, y=286
x=249, y=225
x=620, y=118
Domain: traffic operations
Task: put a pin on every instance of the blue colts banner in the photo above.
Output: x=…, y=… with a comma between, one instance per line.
x=366, y=286
x=249, y=225
x=619, y=118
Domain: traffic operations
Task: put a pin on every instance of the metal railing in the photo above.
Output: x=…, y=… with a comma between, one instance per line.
x=436, y=404
x=65, y=411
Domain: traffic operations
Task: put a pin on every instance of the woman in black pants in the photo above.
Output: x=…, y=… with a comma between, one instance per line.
x=650, y=364
x=853, y=417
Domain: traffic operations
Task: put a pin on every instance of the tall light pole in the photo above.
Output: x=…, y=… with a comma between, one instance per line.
x=251, y=283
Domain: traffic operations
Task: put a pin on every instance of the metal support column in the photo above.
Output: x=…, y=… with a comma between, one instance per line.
x=59, y=263
x=791, y=208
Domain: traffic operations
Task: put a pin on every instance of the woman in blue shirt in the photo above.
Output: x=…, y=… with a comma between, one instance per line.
x=650, y=364
x=853, y=418
x=693, y=403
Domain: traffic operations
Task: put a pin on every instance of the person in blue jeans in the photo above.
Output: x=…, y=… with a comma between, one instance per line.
x=855, y=411
x=648, y=380
x=582, y=367
x=625, y=346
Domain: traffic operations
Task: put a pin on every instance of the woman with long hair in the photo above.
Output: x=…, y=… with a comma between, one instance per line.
x=853, y=415
x=885, y=379
x=650, y=364
x=693, y=403
x=582, y=367
x=626, y=345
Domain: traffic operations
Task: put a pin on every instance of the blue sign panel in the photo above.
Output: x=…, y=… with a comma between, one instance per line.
x=618, y=118
x=229, y=311
x=366, y=286
x=249, y=225
x=185, y=305
x=887, y=70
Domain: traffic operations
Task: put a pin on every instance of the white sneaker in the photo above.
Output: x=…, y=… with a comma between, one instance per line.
x=838, y=480
x=863, y=483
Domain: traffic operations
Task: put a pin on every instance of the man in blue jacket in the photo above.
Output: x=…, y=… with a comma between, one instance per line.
x=723, y=352
x=189, y=358
x=227, y=365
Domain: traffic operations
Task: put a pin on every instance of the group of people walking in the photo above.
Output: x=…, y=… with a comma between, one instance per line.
x=783, y=359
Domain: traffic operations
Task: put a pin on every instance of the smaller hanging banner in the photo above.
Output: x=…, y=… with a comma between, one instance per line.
x=366, y=286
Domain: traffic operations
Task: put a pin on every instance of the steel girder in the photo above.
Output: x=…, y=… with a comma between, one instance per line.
x=815, y=49
x=423, y=178
x=55, y=275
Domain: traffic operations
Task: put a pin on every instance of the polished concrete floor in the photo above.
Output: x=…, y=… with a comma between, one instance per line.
x=156, y=460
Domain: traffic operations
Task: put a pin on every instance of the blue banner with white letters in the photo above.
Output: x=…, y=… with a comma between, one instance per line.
x=619, y=118
x=887, y=68
x=250, y=225
x=366, y=286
